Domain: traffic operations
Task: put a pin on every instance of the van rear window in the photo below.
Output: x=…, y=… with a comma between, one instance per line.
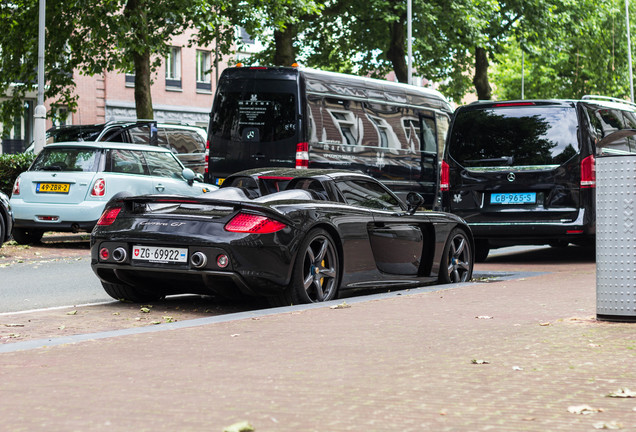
x=514, y=136
x=254, y=116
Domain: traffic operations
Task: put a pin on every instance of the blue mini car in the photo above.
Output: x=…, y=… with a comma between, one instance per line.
x=68, y=185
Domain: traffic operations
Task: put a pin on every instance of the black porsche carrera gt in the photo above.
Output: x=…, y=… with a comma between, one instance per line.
x=295, y=236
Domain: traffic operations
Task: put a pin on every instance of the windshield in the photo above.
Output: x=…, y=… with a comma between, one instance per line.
x=528, y=136
x=243, y=112
x=66, y=159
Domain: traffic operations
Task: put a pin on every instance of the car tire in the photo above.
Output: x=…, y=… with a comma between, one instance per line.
x=2, y=229
x=481, y=251
x=131, y=294
x=27, y=236
x=457, y=260
x=316, y=273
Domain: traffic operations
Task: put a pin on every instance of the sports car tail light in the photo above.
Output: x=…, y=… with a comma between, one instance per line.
x=104, y=253
x=444, y=177
x=109, y=216
x=588, y=172
x=16, y=187
x=253, y=224
x=99, y=187
x=302, y=155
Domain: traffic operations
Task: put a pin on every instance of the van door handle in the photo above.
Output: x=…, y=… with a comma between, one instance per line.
x=258, y=156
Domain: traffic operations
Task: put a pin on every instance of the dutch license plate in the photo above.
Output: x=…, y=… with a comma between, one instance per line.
x=52, y=188
x=513, y=198
x=160, y=254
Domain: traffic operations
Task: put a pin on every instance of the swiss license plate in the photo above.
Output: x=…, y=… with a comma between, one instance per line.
x=513, y=198
x=52, y=188
x=160, y=254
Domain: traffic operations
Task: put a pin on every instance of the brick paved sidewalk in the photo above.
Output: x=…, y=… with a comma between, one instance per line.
x=513, y=355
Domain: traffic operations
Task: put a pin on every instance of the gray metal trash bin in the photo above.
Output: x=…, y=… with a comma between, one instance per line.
x=616, y=237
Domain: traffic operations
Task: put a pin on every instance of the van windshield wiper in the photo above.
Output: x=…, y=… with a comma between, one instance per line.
x=508, y=160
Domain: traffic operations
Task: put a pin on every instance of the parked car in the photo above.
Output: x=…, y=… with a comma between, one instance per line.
x=186, y=141
x=68, y=184
x=327, y=232
x=6, y=218
x=523, y=172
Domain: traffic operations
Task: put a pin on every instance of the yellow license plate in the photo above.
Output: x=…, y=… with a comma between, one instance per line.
x=52, y=187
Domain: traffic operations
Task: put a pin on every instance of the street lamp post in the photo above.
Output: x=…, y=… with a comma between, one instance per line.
x=39, y=117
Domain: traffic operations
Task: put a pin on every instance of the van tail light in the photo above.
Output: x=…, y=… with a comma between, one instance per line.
x=99, y=188
x=16, y=187
x=253, y=224
x=302, y=155
x=207, y=155
x=588, y=172
x=109, y=216
x=444, y=177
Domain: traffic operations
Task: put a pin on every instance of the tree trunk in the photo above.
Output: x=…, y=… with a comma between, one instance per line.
x=143, y=96
x=396, y=52
x=284, y=40
x=484, y=91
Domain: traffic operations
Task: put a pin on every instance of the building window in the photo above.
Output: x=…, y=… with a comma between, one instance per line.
x=204, y=65
x=347, y=126
x=173, y=68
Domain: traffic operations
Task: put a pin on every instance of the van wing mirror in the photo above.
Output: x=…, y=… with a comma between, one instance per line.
x=413, y=202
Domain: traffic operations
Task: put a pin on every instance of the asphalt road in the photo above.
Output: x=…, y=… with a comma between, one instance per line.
x=40, y=285
x=69, y=281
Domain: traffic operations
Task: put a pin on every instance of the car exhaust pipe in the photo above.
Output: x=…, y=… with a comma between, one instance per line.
x=119, y=254
x=198, y=260
x=75, y=228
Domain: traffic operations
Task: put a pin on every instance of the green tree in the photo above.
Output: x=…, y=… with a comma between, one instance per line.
x=94, y=36
x=587, y=55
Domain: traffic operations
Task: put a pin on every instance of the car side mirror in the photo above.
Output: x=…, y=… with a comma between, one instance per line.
x=413, y=202
x=188, y=174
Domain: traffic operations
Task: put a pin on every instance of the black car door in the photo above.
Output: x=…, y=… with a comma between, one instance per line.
x=396, y=240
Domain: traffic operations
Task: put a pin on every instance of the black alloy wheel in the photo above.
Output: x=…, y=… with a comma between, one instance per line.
x=457, y=260
x=316, y=274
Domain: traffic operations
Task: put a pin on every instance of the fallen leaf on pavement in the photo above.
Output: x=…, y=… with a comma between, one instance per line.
x=479, y=361
x=74, y=312
x=240, y=427
x=608, y=425
x=622, y=393
x=544, y=324
x=483, y=317
x=583, y=409
x=144, y=310
x=342, y=305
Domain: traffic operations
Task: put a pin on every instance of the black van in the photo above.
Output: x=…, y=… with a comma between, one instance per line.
x=523, y=172
x=303, y=118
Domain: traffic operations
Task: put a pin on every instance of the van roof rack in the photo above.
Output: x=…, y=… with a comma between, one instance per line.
x=608, y=99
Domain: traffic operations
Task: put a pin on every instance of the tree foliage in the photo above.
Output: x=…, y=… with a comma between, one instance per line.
x=94, y=36
x=570, y=47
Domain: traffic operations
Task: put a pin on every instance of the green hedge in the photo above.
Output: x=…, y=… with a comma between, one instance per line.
x=11, y=165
